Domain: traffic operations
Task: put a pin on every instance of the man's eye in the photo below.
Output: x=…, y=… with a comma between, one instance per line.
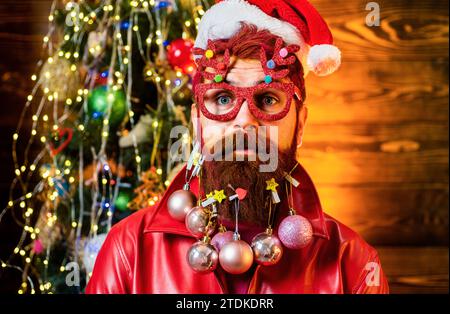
x=223, y=100
x=268, y=101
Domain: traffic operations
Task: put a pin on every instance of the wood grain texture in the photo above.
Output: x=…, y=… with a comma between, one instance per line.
x=391, y=214
x=380, y=92
x=415, y=269
x=376, y=140
x=409, y=30
x=23, y=24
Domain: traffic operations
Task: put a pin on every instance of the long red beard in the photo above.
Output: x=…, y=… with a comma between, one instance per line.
x=218, y=175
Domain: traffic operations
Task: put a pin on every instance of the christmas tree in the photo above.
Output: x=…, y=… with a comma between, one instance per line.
x=114, y=78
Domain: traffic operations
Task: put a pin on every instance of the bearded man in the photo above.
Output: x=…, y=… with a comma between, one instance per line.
x=252, y=58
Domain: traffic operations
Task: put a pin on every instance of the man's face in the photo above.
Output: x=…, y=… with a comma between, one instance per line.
x=246, y=174
x=247, y=73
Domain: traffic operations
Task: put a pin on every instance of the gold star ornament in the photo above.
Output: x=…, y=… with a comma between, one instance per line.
x=271, y=185
x=219, y=195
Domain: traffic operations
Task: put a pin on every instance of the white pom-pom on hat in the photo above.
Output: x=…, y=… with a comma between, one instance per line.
x=323, y=59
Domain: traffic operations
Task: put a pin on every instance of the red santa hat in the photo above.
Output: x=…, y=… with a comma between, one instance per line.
x=296, y=21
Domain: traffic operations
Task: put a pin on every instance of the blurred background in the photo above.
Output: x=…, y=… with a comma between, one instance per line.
x=376, y=143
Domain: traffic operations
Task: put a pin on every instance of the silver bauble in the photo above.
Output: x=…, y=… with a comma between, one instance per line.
x=267, y=249
x=180, y=203
x=196, y=220
x=236, y=257
x=202, y=257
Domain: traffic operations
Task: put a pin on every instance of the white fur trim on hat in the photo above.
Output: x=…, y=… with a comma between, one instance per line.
x=223, y=20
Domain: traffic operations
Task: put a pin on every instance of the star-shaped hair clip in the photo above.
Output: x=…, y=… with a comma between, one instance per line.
x=214, y=197
x=271, y=185
x=219, y=195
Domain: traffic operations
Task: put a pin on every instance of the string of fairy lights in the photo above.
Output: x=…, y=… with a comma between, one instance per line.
x=60, y=92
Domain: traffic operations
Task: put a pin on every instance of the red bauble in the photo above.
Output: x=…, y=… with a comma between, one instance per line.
x=179, y=55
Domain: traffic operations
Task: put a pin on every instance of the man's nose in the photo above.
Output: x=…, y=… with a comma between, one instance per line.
x=245, y=118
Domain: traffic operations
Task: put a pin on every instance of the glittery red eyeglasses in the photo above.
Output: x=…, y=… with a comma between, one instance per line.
x=267, y=101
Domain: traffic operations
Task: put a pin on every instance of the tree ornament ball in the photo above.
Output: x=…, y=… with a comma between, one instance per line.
x=99, y=101
x=222, y=238
x=91, y=249
x=179, y=55
x=236, y=257
x=196, y=220
x=58, y=79
x=180, y=203
x=202, y=257
x=295, y=232
x=267, y=249
x=122, y=200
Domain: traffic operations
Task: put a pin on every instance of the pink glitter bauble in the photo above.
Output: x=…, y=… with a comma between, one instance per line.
x=295, y=232
x=222, y=238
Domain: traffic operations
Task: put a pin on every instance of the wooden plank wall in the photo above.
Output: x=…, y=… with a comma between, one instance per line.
x=376, y=143
x=377, y=139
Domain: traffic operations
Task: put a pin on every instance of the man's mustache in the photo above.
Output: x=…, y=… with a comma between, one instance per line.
x=242, y=141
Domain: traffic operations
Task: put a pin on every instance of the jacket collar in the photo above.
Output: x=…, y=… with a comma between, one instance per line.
x=306, y=203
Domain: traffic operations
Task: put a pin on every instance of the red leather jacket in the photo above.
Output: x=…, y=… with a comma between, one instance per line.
x=146, y=253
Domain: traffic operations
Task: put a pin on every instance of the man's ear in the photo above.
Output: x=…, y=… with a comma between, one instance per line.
x=302, y=116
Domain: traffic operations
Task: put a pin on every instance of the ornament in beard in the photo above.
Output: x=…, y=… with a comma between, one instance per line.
x=218, y=174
